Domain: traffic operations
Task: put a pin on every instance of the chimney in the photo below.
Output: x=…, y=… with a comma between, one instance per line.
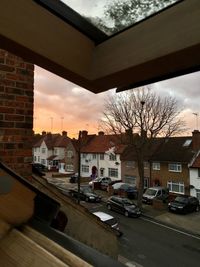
x=84, y=133
x=43, y=133
x=64, y=133
x=196, y=140
x=100, y=133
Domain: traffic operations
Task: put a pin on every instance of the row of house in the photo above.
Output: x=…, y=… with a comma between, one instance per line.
x=173, y=162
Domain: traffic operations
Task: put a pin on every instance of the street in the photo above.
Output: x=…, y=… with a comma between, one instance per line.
x=147, y=244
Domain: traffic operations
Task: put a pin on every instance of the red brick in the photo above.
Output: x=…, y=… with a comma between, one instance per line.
x=6, y=68
x=13, y=90
x=6, y=110
x=7, y=82
x=14, y=118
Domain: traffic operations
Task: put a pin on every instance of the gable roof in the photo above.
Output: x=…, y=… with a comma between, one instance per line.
x=53, y=140
x=102, y=143
x=196, y=162
x=177, y=149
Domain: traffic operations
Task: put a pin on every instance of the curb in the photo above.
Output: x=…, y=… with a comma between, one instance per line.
x=170, y=225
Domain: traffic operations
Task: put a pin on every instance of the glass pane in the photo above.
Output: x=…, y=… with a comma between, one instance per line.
x=112, y=16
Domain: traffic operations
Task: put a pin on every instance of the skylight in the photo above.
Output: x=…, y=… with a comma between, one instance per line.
x=100, y=19
x=112, y=16
x=187, y=142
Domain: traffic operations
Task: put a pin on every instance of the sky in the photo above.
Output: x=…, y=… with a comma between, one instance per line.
x=61, y=105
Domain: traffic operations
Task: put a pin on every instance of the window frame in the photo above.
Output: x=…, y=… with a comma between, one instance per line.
x=156, y=166
x=112, y=172
x=170, y=185
x=175, y=164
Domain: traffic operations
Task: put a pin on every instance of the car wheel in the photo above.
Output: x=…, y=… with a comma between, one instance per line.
x=126, y=213
x=109, y=207
x=197, y=208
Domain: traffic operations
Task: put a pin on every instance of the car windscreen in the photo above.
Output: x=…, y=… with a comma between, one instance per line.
x=182, y=200
x=127, y=202
x=150, y=192
x=111, y=222
x=86, y=190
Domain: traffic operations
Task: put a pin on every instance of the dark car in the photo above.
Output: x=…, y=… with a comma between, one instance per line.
x=74, y=179
x=39, y=169
x=100, y=183
x=129, y=190
x=123, y=205
x=184, y=204
x=86, y=194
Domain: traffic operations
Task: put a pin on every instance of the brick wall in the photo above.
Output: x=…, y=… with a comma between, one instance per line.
x=16, y=112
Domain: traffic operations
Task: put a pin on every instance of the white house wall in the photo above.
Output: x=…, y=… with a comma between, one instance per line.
x=105, y=164
x=195, y=181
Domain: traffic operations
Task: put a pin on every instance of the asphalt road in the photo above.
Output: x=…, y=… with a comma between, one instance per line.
x=147, y=244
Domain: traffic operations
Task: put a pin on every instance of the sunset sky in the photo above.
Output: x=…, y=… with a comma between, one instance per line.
x=61, y=105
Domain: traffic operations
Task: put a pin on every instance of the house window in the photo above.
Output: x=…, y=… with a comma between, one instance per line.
x=55, y=151
x=176, y=187
x=156, y=166
x=112, y=157
x=101, y=156
x=38, y=158
x=175, y=167
x=43, y=150
x=198, y=194
x=94, y=156
x=146, y=165
x=69, y=154
x=130, y=164
x=130, y=180
x=102, y=172
x=84, y=168
x=112, y=172
x=35, y=149
x=84, y=155
x=146, y=182
x=43, y=161
x=35, y=158
x=69, y=167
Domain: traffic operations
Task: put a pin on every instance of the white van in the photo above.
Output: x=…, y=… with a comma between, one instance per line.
x=155, y=192
x=108, y=219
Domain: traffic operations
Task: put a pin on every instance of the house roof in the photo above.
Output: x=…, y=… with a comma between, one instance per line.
x=126, y=59
x=196, y=163
x=52, y=140
x=176, y=149
x=102, y=143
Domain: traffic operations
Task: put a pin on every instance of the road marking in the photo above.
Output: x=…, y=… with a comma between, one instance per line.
x=127, y=262
x=168, y=227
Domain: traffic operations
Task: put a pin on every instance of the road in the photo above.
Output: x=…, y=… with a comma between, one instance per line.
x=147, y=244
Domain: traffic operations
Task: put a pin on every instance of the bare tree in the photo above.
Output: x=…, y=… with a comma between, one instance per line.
x=145, y=113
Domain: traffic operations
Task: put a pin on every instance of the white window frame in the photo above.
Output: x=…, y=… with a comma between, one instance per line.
x=102, y=171
x=94, y=156
x=112, y=157
x=198, y=194
x=181, y=187
x=69, y=167
x=43, y=150
x=84, y=155
x=113, y=172
x=85, y=168
x=175, y=167
x=156, y=166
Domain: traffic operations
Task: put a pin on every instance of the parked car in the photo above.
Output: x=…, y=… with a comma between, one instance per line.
x=74, y=178
x=131, y=191
x=123, y=205
x=86, y=194
x=108, y=219
x=38, y=169
x=156, y=192
x=184, y=204
x=101, y=183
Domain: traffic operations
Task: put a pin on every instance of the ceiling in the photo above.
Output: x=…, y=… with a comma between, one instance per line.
x=162, y=46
